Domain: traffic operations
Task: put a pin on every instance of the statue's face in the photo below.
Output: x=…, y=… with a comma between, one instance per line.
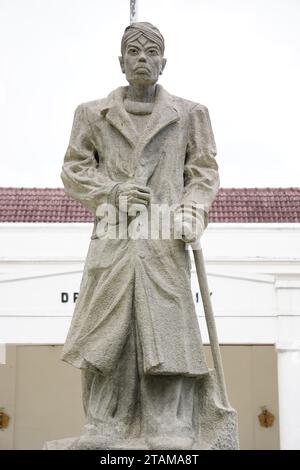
x=142, y=62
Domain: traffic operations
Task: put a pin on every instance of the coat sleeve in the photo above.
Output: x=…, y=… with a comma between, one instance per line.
x=201, y=177
x=80, y=175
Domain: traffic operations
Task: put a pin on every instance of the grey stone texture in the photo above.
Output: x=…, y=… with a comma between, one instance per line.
x=134, y=332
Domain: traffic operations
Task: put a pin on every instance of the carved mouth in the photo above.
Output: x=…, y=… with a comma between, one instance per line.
x=141, y=68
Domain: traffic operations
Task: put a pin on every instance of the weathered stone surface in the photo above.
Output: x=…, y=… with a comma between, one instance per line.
x=216, y=428
x=134, y=332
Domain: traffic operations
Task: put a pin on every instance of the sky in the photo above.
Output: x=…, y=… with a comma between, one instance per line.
x=240, y=58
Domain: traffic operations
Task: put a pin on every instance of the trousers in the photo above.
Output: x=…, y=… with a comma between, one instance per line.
x=129, y=403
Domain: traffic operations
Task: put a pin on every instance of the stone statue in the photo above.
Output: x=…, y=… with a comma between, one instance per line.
x=134, y=333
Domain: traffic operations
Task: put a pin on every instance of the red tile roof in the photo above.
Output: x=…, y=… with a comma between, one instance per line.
x=231, y=205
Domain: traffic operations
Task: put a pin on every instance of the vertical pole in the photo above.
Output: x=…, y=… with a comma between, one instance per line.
x=210, y=322
x=133, y=11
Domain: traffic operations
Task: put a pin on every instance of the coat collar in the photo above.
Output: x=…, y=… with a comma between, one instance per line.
x=164, y=113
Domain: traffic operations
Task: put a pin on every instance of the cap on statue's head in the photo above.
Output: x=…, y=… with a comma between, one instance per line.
x=135, y=30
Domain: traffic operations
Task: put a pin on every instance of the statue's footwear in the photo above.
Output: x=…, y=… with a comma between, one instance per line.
x=173, y=442
x=93, y=442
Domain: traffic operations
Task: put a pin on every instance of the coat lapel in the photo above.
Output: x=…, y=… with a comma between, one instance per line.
x=116, y=115
x=164, y=113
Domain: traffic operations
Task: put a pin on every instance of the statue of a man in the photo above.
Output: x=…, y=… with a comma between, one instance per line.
x=135, y=333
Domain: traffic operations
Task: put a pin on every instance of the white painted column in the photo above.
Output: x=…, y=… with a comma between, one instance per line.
x=288, y=360
x=2, y=354
x=288, y=357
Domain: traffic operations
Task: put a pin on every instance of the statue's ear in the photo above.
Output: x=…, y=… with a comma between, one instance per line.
x=121, y=60
x=164, y=61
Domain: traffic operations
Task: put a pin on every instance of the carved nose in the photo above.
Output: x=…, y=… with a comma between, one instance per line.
x=142, y=58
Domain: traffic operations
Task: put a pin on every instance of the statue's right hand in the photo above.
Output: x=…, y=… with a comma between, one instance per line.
x=130, y=194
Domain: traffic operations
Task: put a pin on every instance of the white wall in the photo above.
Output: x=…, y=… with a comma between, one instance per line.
x=254, y=275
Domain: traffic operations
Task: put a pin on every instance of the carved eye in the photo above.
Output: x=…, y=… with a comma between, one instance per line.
x=132, y=51
x=152, y=52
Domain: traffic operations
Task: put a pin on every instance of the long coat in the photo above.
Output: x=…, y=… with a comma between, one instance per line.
x=175, y=158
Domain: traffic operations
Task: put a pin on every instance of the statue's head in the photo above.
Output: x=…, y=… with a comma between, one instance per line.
x=142, y=58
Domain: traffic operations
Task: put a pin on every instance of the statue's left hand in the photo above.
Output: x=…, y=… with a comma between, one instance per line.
x=188, y=228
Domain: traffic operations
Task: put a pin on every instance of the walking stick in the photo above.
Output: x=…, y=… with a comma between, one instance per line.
x=210, y=321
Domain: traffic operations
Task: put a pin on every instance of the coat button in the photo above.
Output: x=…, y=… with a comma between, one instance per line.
x=141, y=255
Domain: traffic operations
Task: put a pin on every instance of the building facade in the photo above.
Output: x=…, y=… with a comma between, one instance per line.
x=252, y=254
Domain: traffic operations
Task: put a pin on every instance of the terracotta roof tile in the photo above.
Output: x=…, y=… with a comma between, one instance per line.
x=231, y=205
